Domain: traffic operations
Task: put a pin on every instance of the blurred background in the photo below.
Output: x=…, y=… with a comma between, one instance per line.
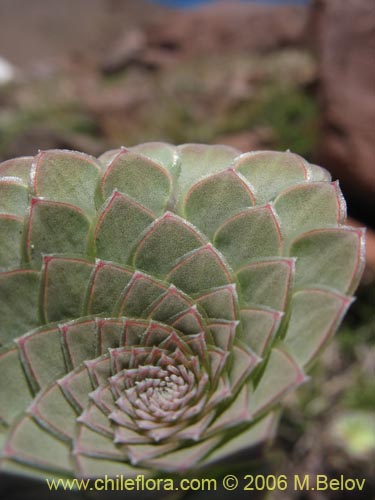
x=91, y=75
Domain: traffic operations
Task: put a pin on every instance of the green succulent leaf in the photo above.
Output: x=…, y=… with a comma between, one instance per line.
x=11, y=228
x=14, y=386
x=159, y=302
x=64, y=284
x=161, y=153
x=239, y=237
x=119, y=226
x=13, y=196
x=67, y=177
x=270, y=172
x=55, y=227
x=17, y=167
x=167, y=240
x=316, y=313
x=19, y=292
x=309, y=206
x=198, y=160
x=259, y=328
x=42, y=370
x=140, y=178
x=106, y=284
x=266, y=283
x=341, y=264
x=211, y=201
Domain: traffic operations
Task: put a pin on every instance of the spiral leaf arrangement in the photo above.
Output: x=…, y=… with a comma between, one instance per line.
x=157, y=303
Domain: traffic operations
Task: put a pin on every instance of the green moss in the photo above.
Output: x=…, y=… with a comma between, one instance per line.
x=355, y=430
x=61, y=119
x=291, y=114
x=200, y=100
x=207, y=98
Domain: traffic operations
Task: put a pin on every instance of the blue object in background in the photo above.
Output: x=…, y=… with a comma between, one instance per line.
x=194, y=3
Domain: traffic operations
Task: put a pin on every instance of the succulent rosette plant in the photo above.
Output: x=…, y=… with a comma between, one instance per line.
x=158, y=303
